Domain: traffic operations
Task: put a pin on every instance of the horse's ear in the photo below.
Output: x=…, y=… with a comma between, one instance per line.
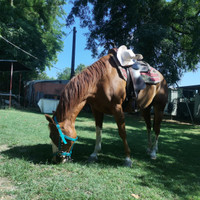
x=49, y=118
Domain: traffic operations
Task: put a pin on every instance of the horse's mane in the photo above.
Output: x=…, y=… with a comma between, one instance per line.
x=79, y=86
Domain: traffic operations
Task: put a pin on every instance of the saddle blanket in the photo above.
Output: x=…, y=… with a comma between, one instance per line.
x=151, y=76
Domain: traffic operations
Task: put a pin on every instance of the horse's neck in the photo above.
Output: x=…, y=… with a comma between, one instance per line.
x=76, y=110
x=70, y=114
x=79, y=89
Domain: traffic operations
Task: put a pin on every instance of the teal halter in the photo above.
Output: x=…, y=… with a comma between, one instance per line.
x=63, y=137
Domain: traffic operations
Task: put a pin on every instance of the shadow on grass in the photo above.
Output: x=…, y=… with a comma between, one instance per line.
x=42, y=153
x=177, y=167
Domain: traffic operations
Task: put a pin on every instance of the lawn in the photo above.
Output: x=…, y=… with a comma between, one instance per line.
x=26, y=170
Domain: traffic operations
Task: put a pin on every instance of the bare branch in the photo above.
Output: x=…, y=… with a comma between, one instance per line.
x=179, y=31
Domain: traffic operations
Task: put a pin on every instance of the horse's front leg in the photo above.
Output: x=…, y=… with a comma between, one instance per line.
x=98, y=121
x=93, y=157
x=119, y=117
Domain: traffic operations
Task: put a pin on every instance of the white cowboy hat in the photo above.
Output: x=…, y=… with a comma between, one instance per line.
x=125, y=56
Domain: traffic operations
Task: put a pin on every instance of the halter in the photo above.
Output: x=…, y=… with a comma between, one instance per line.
x=63, y=137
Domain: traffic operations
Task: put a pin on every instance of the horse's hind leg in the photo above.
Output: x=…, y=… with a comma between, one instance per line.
x=99, y=121
x=158, y=116
x=146, y=113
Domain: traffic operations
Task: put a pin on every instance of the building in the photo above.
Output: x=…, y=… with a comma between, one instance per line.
x=183, y=98
x=48, y=89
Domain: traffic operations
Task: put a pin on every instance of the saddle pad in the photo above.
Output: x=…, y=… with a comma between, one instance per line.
x=151, y=76
x=123, y=73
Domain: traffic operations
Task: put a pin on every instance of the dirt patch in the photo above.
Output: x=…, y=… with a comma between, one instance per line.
x=186, y=122
x=3, y=148
x=7, y=197
x=176, y=121
x=5, y=184
x=181, y=120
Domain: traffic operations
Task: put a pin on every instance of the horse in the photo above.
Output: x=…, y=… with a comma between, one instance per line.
x=104, y=89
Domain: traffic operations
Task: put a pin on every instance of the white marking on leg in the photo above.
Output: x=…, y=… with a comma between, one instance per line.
x=63, y=159
x=155, y=149
x=54, y=150
x=98, y=143
x=149, y=143
x=128, y=162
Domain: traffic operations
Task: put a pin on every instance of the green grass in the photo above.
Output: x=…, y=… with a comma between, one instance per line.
x=26, y=167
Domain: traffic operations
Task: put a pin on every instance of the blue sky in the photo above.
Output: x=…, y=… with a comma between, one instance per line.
x=84, y=56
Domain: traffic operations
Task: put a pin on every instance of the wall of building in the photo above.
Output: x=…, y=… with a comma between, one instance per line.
x=49, y=88
x=197, y=106
x=173, y=95
x=179, y=102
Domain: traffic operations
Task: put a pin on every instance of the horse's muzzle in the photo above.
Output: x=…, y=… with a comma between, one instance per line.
x=61, y=159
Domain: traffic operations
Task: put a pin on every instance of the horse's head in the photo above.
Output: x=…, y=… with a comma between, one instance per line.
x=63, y=136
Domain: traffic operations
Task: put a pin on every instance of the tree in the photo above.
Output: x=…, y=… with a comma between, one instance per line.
x=44, y=76
x=79, y=68
x=34, y=27
x=166, y=33
x=65, y=75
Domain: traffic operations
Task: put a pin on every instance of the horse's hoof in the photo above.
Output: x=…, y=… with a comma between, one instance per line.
x=92, y=159
x=66, y=159
x=128, y=162
x=153, y=156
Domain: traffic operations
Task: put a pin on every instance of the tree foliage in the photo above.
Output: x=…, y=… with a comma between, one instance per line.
x=44, y=76
x=66, y=74
x=79, y=69
x=34, y=27
x=167, y=33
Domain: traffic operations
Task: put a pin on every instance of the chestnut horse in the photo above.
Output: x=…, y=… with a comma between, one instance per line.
x=101, y=86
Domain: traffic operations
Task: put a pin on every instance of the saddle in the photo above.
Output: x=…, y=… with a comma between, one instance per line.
x=133, y=74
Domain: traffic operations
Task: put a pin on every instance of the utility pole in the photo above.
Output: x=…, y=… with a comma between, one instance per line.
x=73, y=52
x=11, y=76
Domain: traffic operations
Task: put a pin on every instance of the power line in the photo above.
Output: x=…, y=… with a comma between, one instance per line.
x=31, y=54
x=19, y=48
x=68, y=34
x=25, y=51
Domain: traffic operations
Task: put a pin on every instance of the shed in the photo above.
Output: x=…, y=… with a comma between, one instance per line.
x=179, y=96
x=12, y=66
x=48, y=89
